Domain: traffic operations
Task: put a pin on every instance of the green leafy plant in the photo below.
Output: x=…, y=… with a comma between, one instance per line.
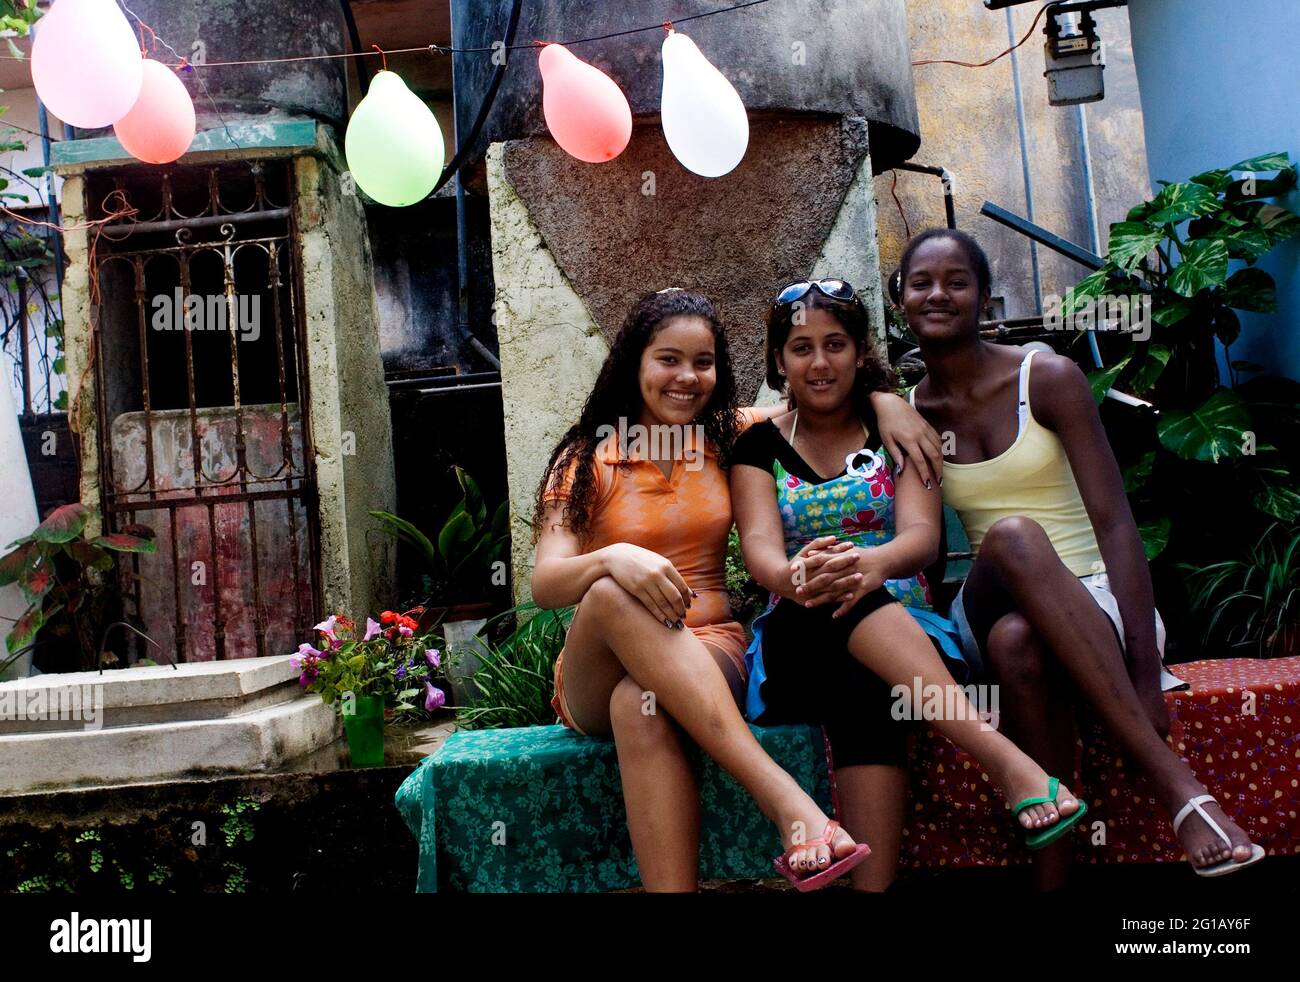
x=515, y=679
x=57, y=568
x=390, y=659
x=1254, y=602
x=747, y=598
x=465, y=549
x=1174, y=253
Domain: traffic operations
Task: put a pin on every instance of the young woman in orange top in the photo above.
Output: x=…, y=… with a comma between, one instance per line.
x=637, y=537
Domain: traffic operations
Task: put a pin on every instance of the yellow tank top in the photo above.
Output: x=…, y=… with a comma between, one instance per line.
x=1031, y=478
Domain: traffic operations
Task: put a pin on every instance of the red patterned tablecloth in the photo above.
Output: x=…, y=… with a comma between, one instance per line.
x=1238, y=727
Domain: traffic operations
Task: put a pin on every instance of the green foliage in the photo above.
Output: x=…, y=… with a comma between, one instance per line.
x=747, y=598
x=56, y=568
x=1232, y=445
x=516, y=678
x=236, y=826
x=1253, y=602
x=460, y=558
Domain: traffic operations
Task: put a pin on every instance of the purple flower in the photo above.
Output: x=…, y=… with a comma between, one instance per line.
x=372, y=629
x=306, y=661
x=326, y=627
x=434, y=698
x=401, y=672
x=405, y=631
x=433, y=657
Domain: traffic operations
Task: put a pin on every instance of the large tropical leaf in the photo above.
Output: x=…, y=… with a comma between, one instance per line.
x=122, y=542
x=1157, y=357
x=25, y=630
x=1227, y=325
x=1137, y=475
x=1179, y=202
x=1168, y=314
x=64, y=524
x=1103, y=379
x=1130, y=243
x=1277, y=160
x=454, y=538
x=1092, y=285
x=1155, y=536
x=1250, y=289
x=1211, y=431
x=1203, y=264
x=14, y=564
x=1277, y=494
x=404, y=531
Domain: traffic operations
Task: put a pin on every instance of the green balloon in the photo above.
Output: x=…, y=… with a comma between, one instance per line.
x=394, y=146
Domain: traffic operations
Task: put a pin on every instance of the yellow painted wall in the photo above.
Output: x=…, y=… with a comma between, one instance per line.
x=968, y=124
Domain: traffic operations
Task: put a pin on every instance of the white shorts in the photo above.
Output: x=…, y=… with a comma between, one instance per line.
x=970, y=648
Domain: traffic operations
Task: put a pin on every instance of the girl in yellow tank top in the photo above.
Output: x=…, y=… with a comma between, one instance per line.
x=1031, y=474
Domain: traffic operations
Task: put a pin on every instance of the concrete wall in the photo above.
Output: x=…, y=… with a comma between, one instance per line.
x=350, y=424
x=968, y=124
x=1219, y=85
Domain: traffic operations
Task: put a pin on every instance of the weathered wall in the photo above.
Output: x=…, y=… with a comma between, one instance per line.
x=350, y=423
x=968, y=124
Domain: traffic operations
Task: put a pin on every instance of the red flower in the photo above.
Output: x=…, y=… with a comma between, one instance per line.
x=387, y=617
x=793, y=482
x=865, y=521
x=882, y=483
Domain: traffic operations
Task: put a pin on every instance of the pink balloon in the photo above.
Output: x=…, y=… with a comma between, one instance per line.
x=160, y=126
x=585, y=109
x=86, y=62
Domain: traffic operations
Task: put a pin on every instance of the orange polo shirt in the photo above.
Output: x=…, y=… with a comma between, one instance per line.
x=685, y=517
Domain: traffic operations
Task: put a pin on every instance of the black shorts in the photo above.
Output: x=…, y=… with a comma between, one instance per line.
x=812, y=678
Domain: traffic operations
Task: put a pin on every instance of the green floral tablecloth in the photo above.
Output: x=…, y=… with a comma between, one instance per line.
x=540, y=809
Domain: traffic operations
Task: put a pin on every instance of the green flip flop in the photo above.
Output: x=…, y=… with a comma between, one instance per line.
x=1038, y=838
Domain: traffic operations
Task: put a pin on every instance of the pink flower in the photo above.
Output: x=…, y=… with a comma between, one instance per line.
x=405, y=631
x=326, y=627
x=433, y=656
x=372, y=629
x=434, y=698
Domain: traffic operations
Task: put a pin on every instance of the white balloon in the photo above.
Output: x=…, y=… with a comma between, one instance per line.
x=704, y=120
x=86, y=63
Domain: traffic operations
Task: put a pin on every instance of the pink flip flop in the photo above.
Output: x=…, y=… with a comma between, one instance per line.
x=832, y=872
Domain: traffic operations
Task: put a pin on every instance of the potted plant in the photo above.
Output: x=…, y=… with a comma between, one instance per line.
x=61, y=572
x=464, y=563
x=385, y=673
x=1260, y=595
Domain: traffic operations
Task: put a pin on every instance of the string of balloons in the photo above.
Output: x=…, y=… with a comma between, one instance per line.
x=394, y=146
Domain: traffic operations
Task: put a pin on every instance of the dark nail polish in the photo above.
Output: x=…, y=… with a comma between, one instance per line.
x=680, y=625
x=667, y=623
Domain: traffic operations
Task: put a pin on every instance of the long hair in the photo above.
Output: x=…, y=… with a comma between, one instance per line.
x=617, y=393
x=875, y=375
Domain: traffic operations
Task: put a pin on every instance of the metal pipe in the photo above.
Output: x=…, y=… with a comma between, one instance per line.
x=946, y=177
x=1024, y=157
x=1090, y=205
x=1036, y=233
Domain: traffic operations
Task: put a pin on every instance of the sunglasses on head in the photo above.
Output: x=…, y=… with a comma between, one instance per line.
x=835, y=289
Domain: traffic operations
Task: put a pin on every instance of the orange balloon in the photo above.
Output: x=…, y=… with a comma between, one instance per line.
x=585, y=110
x=160, y=126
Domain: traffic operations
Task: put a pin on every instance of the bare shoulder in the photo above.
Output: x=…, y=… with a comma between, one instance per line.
x=1058, y=386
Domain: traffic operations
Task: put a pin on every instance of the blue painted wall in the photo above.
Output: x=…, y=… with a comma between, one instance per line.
x=1220, y=82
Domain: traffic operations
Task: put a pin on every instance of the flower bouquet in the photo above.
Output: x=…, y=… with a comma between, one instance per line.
x=377, y=675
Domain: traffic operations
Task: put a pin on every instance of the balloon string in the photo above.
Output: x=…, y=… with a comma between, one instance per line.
x=382, y=55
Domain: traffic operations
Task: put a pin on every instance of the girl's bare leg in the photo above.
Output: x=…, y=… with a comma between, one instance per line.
x=890, y=643
x=873, y=798
x=613, y=635
x=660, y=788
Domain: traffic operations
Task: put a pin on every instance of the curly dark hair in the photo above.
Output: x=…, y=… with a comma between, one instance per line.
x=875, y=375
x=617, y=393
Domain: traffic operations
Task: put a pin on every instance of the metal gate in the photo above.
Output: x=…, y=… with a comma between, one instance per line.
x=201, y=372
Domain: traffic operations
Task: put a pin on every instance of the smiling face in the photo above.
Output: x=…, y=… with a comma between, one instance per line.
x=678, y=371
x=820, y=361
x=941, y=294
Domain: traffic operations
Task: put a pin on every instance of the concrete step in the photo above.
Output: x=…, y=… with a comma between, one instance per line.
x=148, y=694
x=260, y=740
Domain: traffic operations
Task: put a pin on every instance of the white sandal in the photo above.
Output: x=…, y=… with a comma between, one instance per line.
x=1228, y=865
